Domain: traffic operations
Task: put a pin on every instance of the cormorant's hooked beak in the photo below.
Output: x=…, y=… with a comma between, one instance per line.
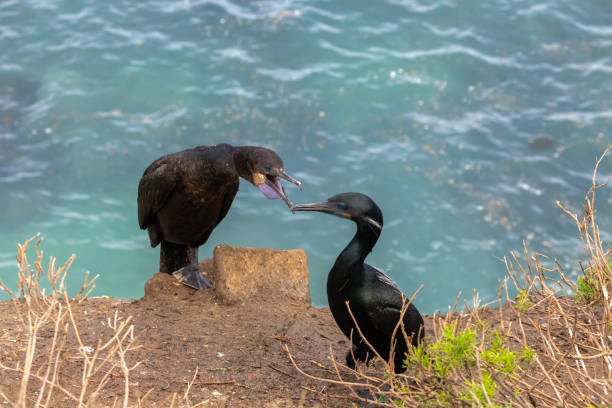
x=282, y=174
x=332, y=208
x=325, y=206
x=272, y=187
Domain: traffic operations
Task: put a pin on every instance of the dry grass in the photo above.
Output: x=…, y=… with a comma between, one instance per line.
x=47, y=373
x=541, y=348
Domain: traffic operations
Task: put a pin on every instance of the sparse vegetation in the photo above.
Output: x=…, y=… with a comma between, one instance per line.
x=461, y=350
x=540, y=348
x=588, y=287
x=522, y=301
x=45, y=378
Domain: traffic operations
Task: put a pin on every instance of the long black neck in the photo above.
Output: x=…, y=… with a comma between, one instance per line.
x=222, y=158
x=241, y=161
x=352, y=257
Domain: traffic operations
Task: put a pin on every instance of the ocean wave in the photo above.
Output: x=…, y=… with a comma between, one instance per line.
x=465, y=121
x=291, y=75
x=424, y=7
x=450, y=49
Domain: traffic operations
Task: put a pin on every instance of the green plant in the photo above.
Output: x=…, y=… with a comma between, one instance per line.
x=499, y=357
x=478, y=390
x=458, y=350
x=502, y=359
x=522, y=301
x=453, y=350
x=563, y=338
x=590, y=286
x=587, y=288
x=528, y=355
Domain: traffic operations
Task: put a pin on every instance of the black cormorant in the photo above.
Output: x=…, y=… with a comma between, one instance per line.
x=374, y=299
x=183, y=196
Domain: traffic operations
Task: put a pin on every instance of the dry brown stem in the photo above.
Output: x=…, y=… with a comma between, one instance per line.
x=570, y=336
x=45, y=379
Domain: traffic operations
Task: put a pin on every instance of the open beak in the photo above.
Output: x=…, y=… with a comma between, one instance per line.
x=272, y=187
x=278, y=190
x=283, y=175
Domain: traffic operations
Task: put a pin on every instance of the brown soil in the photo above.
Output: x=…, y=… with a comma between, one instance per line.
x=233, y=352
x=236, y=349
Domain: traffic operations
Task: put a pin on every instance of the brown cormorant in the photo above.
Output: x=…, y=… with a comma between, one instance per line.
x=183, y=196
x=374, y=299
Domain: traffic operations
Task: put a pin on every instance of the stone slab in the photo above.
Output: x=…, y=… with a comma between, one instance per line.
x=239, y=274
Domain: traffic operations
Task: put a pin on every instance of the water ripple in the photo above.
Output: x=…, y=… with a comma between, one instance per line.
x=380, y=29
x=236, y=53
x=598, y=66
x=470, y=121
x=450, y=49
x=124, y=245
x=456, y=33
x=464, y=121
x=321, y=12
x=238, y=91
x=599, y=30
x=229, y=7
x=20, y=175
x=579, y=117
x=320, y=27
x=6, y=33
x=292, y=75
x=417, y=7
x=347, y=53
x=135, y=36
x=75, y=17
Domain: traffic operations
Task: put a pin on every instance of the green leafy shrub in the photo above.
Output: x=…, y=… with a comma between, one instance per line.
x=478, y=389
x=587, y=288
x=522, y=301
x=453, y=350
x=458, y=350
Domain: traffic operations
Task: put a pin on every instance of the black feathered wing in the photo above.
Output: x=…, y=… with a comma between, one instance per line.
x=228, y=198
x=156, y=185
x=385, y=311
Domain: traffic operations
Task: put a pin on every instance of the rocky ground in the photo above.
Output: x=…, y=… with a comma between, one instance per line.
x=228, y=346
x=233, y=335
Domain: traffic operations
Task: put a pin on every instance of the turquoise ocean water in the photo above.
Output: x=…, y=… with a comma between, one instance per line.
x=464, y=120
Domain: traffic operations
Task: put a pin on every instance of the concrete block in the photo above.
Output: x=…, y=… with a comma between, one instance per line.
x=239, y=274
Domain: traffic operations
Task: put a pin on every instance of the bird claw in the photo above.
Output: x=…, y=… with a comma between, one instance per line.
x=191, y=276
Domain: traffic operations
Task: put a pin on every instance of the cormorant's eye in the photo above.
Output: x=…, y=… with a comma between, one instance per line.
x=267, y=168
x=341, y=207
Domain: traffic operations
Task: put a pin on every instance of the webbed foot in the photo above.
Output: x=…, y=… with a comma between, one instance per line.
x=359, y=354
x=191, y=276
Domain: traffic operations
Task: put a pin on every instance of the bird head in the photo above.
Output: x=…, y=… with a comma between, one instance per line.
x=353, y=206
x=264, y=168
